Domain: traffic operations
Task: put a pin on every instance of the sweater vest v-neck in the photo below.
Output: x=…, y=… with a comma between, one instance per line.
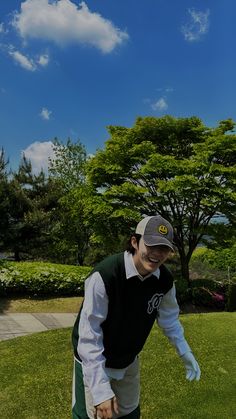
x=132, y=309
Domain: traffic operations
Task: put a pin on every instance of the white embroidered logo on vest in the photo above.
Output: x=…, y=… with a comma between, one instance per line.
x=154, y=303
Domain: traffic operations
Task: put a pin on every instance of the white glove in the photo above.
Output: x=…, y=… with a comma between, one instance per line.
x=193, y=371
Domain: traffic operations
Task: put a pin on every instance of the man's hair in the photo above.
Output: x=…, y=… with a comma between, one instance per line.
x=129, y=246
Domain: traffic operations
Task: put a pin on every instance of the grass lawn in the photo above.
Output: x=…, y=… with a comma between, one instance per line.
x=40, y=305
x=35, y=373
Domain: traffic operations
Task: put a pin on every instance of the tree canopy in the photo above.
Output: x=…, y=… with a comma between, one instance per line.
x=176, y=167
x=88, y=206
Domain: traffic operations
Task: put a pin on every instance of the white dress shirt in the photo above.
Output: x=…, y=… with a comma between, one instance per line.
x=94, y=312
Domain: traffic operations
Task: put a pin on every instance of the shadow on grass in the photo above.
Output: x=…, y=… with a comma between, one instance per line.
x=4, y=304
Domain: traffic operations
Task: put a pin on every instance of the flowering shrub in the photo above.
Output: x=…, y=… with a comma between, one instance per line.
x=209, y=293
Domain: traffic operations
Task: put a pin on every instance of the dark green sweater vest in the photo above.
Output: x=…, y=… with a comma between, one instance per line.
x=132, y=310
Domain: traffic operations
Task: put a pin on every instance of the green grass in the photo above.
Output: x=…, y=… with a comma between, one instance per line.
x=40, y=305
x=165, y=392
x=35, y=373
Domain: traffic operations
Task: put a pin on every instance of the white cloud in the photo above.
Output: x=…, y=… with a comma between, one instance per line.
x=2, y=28
x=197, y=26
x=165, y=89
x=43, y=60
x=25, y=62
x=45, y=114
x=39, y=153
x=30, y=64
x=160, y=105
x=169, y=89
x=63, y=22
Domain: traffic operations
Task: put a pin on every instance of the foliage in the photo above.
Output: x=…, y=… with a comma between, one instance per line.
x=173, y=166
x=89, y=206
x=217, y=269
x=183, y=291
x=41, y=279
x=31, y=200
x=83, y=232
x=42, y=364
x=203, y=296
x=231, y=294
x=3, y=165
x=202, y=292
x=68, y=164
x=71, y=232
x=4, y=196
x=220, y=259
x=221, y=234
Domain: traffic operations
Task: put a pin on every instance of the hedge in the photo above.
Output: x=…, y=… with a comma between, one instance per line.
x=41, y=279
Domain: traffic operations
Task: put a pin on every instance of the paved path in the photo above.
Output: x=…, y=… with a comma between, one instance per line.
x=20, y=324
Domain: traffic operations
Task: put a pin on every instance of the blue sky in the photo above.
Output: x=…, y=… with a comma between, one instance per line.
x=71, y=68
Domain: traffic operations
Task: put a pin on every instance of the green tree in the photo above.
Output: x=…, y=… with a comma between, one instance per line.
x=4, y=196
x=32, y=201
x=68, y=163
x=3, y=164
x=72, y=231
x=176, y=167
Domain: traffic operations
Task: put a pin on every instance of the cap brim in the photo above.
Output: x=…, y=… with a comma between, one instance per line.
x=158, y=241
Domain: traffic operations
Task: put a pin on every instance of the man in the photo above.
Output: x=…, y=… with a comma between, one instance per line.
x=124, y=295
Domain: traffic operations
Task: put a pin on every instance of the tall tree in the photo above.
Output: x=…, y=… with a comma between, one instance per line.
x=72, y=231
x=3, y=164
x=176, y=167
x=32, y=201
x=68, y=163
x=4, y=196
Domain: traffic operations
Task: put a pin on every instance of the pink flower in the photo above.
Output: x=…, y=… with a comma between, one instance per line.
x=218, y=297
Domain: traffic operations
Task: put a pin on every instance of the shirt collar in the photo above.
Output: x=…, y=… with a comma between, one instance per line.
x=130, y=268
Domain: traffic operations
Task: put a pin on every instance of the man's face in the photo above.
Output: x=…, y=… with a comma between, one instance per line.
x=148, y=258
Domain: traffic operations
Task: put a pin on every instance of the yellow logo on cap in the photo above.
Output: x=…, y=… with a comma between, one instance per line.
x=163, y=229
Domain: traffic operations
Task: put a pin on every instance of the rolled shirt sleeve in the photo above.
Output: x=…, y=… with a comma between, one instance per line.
x=90, y=344
x=168, y=321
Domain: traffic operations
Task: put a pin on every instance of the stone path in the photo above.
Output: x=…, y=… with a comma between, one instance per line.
x=20, y=324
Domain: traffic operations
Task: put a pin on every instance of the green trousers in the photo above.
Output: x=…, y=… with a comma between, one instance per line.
x=78, y=403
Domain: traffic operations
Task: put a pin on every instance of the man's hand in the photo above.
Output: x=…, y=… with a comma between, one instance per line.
x=193, y=371
x=104, y=410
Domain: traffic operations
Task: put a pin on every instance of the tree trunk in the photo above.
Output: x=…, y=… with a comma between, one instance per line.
x=185, y=270
x=17, y=255
x=80, y=258
x=184, y=260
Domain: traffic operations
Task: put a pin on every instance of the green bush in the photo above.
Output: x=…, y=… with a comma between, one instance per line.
x=202, y=296
x=183, y=292
x=208, y=293
x=221, y=259
x=231, y=295
x=210, y=284
x=40, y=279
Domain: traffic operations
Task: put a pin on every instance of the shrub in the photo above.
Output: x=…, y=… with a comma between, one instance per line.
x=231, y=295
x=208, y=293
x=221, y=259
x=183, y=292
x=40, y=279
